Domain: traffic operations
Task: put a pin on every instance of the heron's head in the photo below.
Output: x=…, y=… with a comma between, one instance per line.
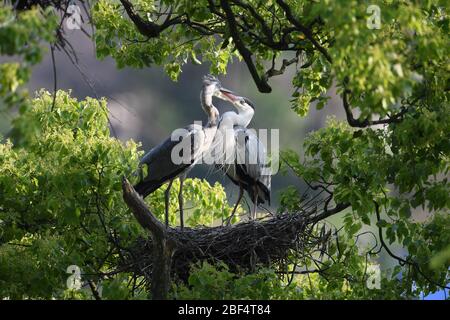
x=213, y=87
x=210, y=80
x=242, y=103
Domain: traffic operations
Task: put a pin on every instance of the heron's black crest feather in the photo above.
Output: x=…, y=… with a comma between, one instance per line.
x=249, y=102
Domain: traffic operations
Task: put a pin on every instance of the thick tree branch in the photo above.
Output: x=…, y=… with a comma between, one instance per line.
x=307, y=32
x=330, y=212
x=265, y=28
x=148, y=28
x=163, y=246
x=246, y=54
x=137, y=205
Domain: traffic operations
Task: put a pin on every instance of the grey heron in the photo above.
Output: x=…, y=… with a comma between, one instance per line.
x=160, y=166
x=248, y=165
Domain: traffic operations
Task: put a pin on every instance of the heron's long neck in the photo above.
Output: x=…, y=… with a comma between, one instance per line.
x=241, y=118
x=244, y=117
x=206, y=99
x=208, y=107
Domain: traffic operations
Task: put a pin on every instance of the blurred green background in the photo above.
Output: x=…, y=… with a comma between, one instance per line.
x=146, y=106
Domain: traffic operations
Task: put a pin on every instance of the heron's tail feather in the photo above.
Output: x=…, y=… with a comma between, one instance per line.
x=144, y=188
x=263, y=193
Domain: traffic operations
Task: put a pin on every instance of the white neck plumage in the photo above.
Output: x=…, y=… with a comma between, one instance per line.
x=244, y=117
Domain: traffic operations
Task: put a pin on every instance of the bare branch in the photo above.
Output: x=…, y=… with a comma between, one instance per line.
x=163, y=246
x=366, y=122
x=328, y=213
x=274, y=72
x=402, y=261
x=137, y=205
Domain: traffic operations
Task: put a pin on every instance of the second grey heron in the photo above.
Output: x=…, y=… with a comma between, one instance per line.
x=160, y=165
x=248, y=165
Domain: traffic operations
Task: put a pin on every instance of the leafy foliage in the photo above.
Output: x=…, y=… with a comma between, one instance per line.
x=209, y=203
x=217, y=282
x=60, y=195
x=60, y=200
x=117, y=37
x=21, y=37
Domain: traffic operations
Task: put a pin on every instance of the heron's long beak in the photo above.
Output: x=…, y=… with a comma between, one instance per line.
x=228, y=94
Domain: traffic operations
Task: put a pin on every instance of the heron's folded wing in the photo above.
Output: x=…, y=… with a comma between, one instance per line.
x=173, y=155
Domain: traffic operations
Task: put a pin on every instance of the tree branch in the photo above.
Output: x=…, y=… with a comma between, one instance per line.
x=366, y=122
x=94, y=290
x=402, y=261
x=308, y=34
x=328, y=213
x=163, y=246
x=55, y=79
x=274, y=72
x=137, y=205
x=148, y=28
x=265, y=28
x=246, y=54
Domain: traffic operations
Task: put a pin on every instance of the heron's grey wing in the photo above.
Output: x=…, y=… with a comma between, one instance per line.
x=253, y=162
x=264, y=170
x=250, y=152
x=160, y=165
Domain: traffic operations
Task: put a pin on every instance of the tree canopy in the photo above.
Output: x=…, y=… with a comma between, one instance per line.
x=61, y=172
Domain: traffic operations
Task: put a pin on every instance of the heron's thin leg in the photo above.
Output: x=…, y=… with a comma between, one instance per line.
x=141, y=174
x=255, y=204
x=181, y=202
x=166, y=198
x=241, y=193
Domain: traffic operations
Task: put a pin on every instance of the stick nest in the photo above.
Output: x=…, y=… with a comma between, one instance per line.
x=241, y=246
